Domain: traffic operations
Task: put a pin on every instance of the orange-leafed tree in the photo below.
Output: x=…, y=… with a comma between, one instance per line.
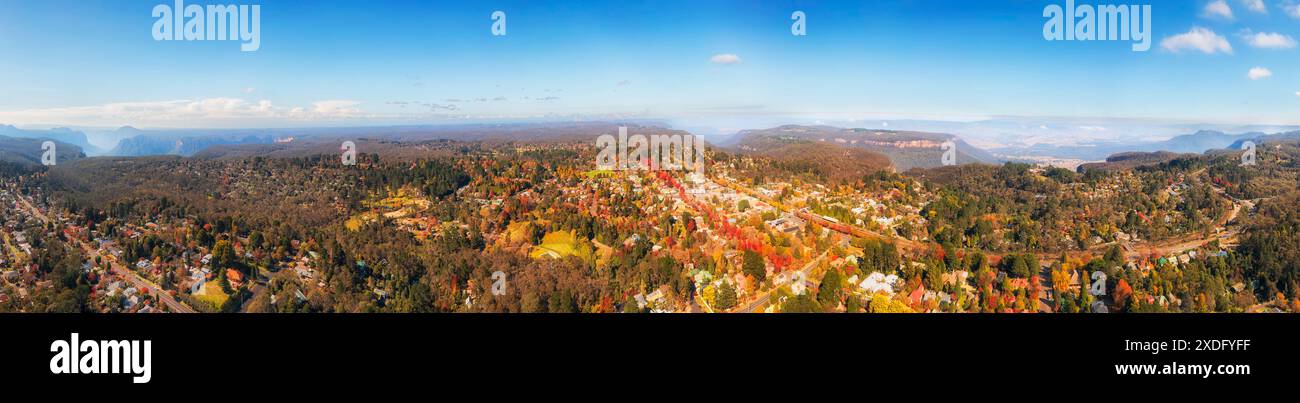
x=1122, y=292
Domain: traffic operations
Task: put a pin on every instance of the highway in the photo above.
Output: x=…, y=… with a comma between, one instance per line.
x=131, y=276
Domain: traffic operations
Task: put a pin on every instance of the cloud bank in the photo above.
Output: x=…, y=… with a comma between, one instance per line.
x=184, y=112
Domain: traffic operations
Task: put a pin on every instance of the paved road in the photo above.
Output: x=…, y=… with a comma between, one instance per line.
x=131, y=276
x=762, y=299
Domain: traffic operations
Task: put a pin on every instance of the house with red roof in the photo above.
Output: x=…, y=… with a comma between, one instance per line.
x=917, y=295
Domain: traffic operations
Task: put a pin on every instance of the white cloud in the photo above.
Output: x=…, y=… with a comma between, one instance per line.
x=1259, y=73
x=1255, y=5
x=1268, y=40
x=1292, y=9
x=1297, y=93
x=1217, y=9
x=249, y=90
x=1198, y=39
x=725, y=58
x=177, y=113
x=334, y=109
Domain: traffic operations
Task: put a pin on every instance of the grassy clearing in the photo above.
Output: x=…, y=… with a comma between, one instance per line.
x=561, y=244
x=211, y=293
x=405, y=203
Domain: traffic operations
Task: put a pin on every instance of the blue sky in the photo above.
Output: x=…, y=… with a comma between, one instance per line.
x=95, y=63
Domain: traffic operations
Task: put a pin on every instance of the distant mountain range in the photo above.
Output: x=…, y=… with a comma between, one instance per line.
x=904, y=149
x=150, y=144
x=59, y=134
x=414, y=142
x=1196, y=143
x=28, y=151
x=1288, y=136
x=189, y=142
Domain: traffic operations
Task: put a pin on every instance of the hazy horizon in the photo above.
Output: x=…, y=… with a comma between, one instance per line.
x=609, y=61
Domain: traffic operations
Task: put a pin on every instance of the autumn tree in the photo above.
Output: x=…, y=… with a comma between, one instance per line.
x=803, y=303
x=1121, y=293
x=223, y=255
x=726, y=298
